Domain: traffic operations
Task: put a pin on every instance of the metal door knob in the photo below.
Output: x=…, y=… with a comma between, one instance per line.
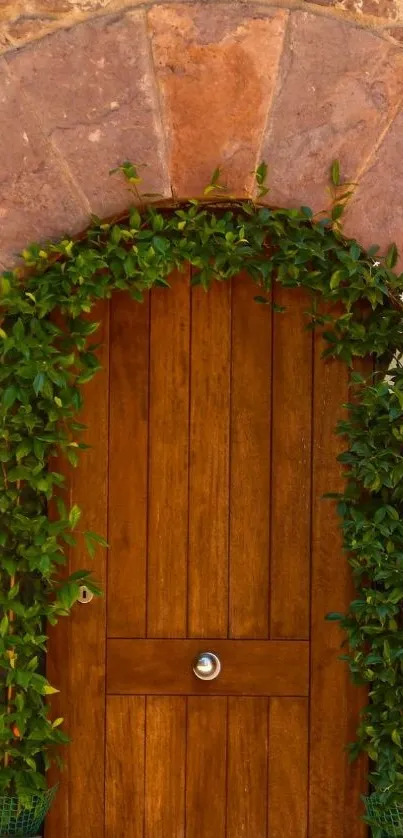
x=207, y=666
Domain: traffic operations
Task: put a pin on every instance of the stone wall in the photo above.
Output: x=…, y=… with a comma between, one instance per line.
x=22, y=21
x=186, y=86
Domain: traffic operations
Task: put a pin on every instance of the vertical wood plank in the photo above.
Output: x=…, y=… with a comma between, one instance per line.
x=206, y=767
x=331, y=582
x=165, y=767
x=288, y=768
x=78, y=645
x=209, y=461
x=128, y=465
x=250, y=462
x=125, y=733
x=247, y=767
x=291, y=467
x=168, y=459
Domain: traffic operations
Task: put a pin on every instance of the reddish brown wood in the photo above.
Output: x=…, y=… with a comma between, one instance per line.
x=332, y=810
x=206, y=762
x=247, y=767
x=288, y=768
x=291, y=467
x=252, y=667
x=165, y=767
x=168, y=486
x=189, y=467
x=78, y=646
x=125, y=739
x=209, y=461
x=250, y=462
x=128, y=464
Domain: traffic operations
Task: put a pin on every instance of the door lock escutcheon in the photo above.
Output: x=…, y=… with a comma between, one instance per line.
x=85, y=595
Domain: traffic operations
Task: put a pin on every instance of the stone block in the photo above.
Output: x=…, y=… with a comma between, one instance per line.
x=338, y=88
x=375, y=212
x=216, y=67
x=37, y=200
x=93, y=87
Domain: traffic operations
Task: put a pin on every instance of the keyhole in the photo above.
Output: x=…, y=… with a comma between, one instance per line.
x=85, y=595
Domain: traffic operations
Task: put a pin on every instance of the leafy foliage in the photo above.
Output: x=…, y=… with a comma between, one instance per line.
x=355, y=302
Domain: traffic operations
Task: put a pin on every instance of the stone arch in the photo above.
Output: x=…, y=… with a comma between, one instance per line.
x=186, y=86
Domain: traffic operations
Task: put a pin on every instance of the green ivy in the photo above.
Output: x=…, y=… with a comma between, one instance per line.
x=355, y=302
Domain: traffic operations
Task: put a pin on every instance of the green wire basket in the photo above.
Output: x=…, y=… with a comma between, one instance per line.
x=388, y=818
x=24, y=819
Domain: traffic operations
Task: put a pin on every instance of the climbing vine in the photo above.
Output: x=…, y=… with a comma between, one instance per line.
x=45, y=363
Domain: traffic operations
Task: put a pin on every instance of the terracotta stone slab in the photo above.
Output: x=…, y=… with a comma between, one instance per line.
x=36, y=199
x=375, y=213
x=93, y=86
x=216, y=67
x=338, y=88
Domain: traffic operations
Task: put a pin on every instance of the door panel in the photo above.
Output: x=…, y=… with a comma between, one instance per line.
x=127, y=498
x=125, y=765
x=168, y=460
x=247, y=767
x=291, y=467
x=250, y=442
x=221, y=445
x=249, y=667
x=209, y=462
x=165, y=767
x=206, y=786
x=288, y=768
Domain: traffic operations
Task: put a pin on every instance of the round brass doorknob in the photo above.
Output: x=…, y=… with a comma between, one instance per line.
x=207, y=666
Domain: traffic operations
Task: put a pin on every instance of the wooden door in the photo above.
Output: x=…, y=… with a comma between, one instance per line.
x=212, y=431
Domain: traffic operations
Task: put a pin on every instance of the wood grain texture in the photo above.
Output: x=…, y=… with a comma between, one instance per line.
x=247, y=767
x=206, y=767
x=168, y=463
x=124, y=786
x=329, y=692
x=291, y=467
x=165, y=767
x=250, y=462
x=249, y=667
x=209, y=462
x=78, y=646
x=288, y=768
x=128, y=466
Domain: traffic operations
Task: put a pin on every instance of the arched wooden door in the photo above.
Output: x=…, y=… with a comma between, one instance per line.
x=212, y=426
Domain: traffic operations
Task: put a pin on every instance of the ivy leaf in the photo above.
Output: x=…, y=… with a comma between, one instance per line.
x=335, y=173
x=49, y=690
x=74, y=516
x=396, y=738
x=38, y=383
x=391, y=256
x=23, y=448
x=97, y=538
x=336, y=278
x=337, y=212
x=4, y=626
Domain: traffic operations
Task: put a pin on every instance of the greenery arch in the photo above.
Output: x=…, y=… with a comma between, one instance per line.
x=44, y=366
